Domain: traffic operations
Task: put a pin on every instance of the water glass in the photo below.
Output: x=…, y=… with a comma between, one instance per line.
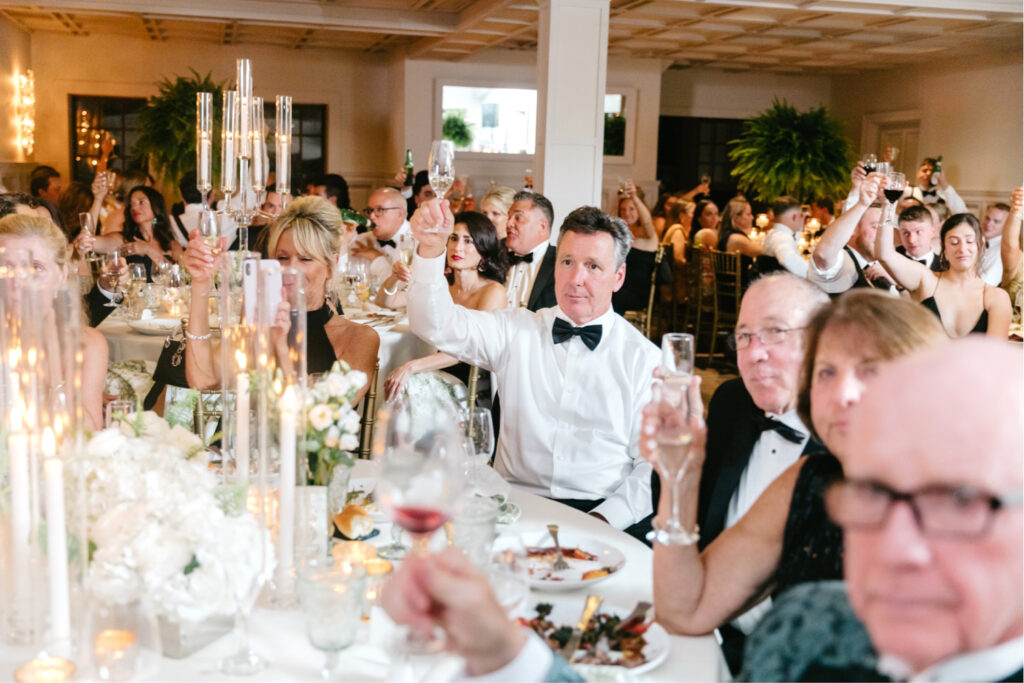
x=331, y=596
x=314, y=524
x=475, y=522
x=119, y=410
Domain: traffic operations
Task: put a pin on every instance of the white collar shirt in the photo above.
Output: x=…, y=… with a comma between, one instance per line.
x=522, y=275
x=992, y=262
x=190, y=219
x=841, y=276
x=570, y=418
x=380, y=267
x=993, y=664
x=781, y=244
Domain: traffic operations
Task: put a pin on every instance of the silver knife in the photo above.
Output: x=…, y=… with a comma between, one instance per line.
x=593, y=602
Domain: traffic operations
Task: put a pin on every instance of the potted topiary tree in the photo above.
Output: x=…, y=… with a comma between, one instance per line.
x=456, y=128
x=783, y=151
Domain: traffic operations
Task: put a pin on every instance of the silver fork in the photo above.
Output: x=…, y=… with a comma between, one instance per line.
x=560, y=562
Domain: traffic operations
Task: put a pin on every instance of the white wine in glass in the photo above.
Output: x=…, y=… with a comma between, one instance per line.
x=441, y=168
x=209, y=230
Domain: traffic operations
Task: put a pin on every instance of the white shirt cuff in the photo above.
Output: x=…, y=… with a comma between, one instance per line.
x=616, y=510
x=829, y=273
x=531, y=664
x=109, y=295
x=428, y=270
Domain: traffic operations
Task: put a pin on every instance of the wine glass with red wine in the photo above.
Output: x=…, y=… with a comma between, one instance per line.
x=870, y=162
x=895, y=183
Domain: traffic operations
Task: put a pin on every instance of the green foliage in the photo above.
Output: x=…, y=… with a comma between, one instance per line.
x=614, y=135
x=167, y=125
x=456, y=129
x=782, y=151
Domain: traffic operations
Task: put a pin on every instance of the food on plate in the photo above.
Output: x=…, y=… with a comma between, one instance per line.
x=603, y=642
x=597, y=573
x=353, y=522
x=568, y=553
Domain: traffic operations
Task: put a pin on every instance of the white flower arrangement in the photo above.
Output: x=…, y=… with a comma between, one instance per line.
x=158, y=527
x=332, y=425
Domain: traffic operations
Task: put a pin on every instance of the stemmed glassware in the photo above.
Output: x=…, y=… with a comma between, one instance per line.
x=895, y=183
x=332, y=597
x=209, y=230
x=509, y=574
x=114, y=268
x=480, y=440
x=441, y=169
x=677, y=354
x=870, y=162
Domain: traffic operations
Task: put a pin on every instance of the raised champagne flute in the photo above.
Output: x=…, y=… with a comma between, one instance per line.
x=673, y=435
x=209, y=230
x=441, y=169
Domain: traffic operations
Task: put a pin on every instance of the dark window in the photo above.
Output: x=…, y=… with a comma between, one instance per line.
x=689, y=147
x=309, y=141
x=90, y=117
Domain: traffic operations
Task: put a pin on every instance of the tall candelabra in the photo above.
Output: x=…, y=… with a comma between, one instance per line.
x=244, y=163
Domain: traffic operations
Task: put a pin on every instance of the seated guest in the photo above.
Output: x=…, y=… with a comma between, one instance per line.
x=46, y=186
x=184, y=223
x=307, y=237
x=823, y=210
x=636, y=289
x=495, y=205
x=270, y=209
x=386, y=208
x=659, y=215
x=917, y=232
x=734, y=233
x=907, y=202
x=845, y=256
x=1011, y=253
x=22, y=204
x=78, y=198
x=930, y=508
x=959, y=298
x=573, y=377
x=780, y=243
x=333, y=188
x=146, y=236
x=705, y=220
x=531, y=281
x=421, y=191
x=478, y=267
x=784, y=538
x=49, y=249
x=991, y=269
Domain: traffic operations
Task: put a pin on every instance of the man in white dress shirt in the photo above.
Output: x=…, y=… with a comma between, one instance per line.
x=530, y=282
x=386, y=208
x=992, y=227
x=931, y=514
x=932, y=188
x=574, y=377
x=781, y=241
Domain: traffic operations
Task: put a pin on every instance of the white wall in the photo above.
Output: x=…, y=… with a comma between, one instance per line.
x=354, y=87
x=714, y=93
x=15, y=58
x=970, y=113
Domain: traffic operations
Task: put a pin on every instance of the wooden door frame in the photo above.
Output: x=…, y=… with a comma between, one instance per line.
x=871, y=123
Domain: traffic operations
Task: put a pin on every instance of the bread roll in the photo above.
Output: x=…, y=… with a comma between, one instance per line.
x=353, y=522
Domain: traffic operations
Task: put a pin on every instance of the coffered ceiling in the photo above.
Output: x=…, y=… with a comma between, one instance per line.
x=831, y=36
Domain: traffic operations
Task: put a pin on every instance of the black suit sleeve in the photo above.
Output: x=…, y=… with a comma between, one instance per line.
x=543, y=293
x=96, y=303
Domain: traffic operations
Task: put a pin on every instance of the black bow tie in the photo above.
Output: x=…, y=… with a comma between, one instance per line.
x=922, y=261
x=929, y=193
x=514, y=258
x=765, y=423
x=387, y=243
x=563, y=331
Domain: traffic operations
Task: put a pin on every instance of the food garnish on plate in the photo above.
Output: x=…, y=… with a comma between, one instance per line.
x=603, y=643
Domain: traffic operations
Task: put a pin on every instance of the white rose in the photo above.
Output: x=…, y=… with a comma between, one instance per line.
x=337, y=384
x=349, y=421
x=105, y=443
x=320, y=417
x=348, y=442
x=331, y=437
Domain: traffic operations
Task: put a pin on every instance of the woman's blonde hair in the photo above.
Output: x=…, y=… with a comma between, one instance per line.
x=316, y=232
x=889, y=326
x=20, y=225
x=500, y=195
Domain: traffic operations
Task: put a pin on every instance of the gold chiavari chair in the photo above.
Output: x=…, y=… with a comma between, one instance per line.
x=368, y=421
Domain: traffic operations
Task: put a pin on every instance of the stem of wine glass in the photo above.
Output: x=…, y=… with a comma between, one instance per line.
x=241, y=634
x=420, y=544
x=332, y=670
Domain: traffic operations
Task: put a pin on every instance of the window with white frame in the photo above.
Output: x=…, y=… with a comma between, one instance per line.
x=490, y=120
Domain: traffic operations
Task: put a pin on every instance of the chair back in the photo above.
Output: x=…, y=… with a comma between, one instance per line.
x=642, y=319
x=368, y=421
x=209, y=411
x=474, y=379
x=728, y=282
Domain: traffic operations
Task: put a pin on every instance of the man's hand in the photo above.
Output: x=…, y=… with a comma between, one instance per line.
x=857, y=175
x=1017, y=200
x=431, y=225
x=870, y=187
x=445, y=590
x=940, y=178
x=875, y=271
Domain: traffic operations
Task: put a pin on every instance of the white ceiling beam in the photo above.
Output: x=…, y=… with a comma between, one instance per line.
x=274, y=12
x=474, y=14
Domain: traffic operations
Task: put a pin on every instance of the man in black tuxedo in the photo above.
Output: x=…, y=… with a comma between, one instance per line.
x=531, y=279
x=916, y=234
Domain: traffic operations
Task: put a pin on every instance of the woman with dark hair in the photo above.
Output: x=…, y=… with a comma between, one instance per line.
x=959, y=298
x=704, y=225
x=478, y=267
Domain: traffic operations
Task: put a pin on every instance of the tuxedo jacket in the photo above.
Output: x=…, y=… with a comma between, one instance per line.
x=936, y=268
x=97, y=308
x=543, y=293
x=732, y=433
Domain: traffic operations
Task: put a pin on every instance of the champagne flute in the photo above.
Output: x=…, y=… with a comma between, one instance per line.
x=480, y=434
x=114, y=268
x=406, y=248
x=209, y=230
x=88, y=226
x=673, y=436
x=441, y=169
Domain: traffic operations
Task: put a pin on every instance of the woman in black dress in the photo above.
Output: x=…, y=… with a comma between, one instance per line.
x=307, y=237
x=636, y=288
x=786, y=537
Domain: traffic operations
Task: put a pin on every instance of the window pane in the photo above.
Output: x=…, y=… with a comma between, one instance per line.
x=614, y=125
x=492, y=120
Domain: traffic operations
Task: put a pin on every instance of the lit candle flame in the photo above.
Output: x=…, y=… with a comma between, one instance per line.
x=289, y=399
x=241, y=360
x=49, y=444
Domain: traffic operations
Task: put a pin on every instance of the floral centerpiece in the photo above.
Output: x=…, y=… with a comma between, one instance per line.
x=160, y=526
x=332, y=425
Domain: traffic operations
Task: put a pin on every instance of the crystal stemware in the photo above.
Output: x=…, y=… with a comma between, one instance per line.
x=677, y=354
x=209, y=230
x=332, y=599
x=480, y=434
x=441, y=169
x=870, y=162
x=895, y=183
x=113, y=269
x=673, y=436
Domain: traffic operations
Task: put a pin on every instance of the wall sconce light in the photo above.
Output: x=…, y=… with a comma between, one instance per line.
x=25, y=110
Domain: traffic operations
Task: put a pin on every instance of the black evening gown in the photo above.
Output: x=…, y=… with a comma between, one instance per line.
x=636, y=289
x=320, y=354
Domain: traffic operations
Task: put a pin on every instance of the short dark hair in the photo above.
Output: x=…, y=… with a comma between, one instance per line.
x=915, y=213
x=931, y=161
x=493, y=260
x=590, y=220
x=1002, y=206
x=422, y=179
x=40, y=179
x=539, y=201
x=336, y=187
x=7, y=207
x=187, y=187
x=823, y=203
x=784, y=204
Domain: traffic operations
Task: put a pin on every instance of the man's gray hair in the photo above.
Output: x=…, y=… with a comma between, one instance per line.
x=589, y=220
x=810, y=295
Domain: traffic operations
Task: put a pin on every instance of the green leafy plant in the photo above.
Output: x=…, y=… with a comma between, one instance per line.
x=167, y=125
x=614, y=135
x=783, y=151
x=456, y=129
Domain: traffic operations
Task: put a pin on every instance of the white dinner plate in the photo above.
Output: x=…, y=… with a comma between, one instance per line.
x=155, y=327
x=543, y=577
x=566, y=612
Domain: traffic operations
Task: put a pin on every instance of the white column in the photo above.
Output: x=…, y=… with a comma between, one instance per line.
x=572, y=61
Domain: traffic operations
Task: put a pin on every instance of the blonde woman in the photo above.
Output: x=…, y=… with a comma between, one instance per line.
x=49, y=249
x=307, y=237
x=495, y=206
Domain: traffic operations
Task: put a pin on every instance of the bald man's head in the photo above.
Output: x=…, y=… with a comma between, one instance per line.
x=387, y=210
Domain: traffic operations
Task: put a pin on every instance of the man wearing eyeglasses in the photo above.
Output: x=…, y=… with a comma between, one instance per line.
x=386, y=208
x=931, y=514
